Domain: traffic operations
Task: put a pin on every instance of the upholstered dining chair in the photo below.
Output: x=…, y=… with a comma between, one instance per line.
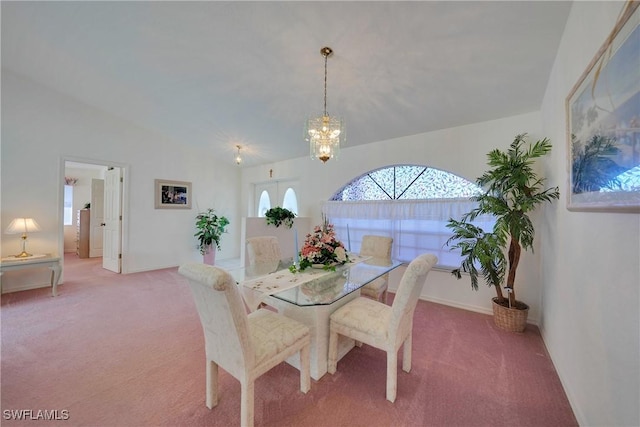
x=382, y=326
x=263, y=249
x=377, y=247
x=246, y=346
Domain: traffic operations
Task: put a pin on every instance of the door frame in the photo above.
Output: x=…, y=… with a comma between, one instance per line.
x=124, y=168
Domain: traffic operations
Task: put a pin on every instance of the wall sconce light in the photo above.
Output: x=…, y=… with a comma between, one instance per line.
x=238, y=157
x=24, y=226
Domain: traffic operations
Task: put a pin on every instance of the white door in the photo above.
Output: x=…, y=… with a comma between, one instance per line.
x=111, y=255
x=96, y=218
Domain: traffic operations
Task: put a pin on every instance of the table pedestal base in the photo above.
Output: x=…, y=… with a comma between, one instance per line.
x=317, y=319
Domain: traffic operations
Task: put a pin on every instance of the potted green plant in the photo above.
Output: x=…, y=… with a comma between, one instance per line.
x=210, y=227
x=278, y=216
x=512, y=190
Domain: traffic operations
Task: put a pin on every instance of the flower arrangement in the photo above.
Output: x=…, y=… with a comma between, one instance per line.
x=210, y=227
x=278, y=216
x=322, y=248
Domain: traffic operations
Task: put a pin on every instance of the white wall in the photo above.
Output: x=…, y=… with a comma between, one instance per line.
x=460, y=150
x=40, y=127
x=590, y=261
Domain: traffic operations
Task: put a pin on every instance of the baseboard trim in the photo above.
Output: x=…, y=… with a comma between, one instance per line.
x=26, y=287
x=467, y=307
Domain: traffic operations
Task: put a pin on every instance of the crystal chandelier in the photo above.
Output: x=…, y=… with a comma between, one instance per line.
x=324, y=133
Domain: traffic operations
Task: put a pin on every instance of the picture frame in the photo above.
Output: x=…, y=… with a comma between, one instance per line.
x=603, y=124
x=172, y=194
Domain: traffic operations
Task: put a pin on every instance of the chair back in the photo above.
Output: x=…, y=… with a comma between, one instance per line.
x=223, y=317
x=406, y=299
x=263, y=249
x=376, y=246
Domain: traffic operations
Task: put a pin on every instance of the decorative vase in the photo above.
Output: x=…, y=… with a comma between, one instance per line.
x=209, y=257
x=510, y=319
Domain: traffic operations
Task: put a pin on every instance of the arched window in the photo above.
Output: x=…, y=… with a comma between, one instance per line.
x=290, y=201
x=407, y=182
x=409, y=203
x=265, y=203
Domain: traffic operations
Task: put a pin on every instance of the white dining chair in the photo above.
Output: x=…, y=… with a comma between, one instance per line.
x=382, y=326
x=263, y=249
x=377, y=247
x=246, y=346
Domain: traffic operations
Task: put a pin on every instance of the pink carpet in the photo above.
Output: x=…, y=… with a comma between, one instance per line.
x=127, y=350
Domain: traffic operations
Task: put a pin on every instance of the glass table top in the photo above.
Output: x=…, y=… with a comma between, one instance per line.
x=317, y=287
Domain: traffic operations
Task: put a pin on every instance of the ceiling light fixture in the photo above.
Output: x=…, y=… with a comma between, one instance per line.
x=238, y=157
x=324, y=133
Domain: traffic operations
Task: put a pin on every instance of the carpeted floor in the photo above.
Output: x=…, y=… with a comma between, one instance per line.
x=127, y=350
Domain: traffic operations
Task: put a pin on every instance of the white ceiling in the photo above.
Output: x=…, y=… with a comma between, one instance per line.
x=216, y=74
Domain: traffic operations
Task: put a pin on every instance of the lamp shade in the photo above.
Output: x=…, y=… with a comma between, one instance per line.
x=22, y=226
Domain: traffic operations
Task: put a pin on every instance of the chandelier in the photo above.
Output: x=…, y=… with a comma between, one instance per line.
x=324, y=133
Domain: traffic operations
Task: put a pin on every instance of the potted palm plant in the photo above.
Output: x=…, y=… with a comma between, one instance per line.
x=512, y=190
x=210, y=227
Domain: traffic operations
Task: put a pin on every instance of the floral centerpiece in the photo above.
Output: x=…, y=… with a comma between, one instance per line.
x=322, y=249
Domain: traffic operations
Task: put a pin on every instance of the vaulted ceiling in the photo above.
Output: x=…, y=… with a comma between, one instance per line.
x=217, y=74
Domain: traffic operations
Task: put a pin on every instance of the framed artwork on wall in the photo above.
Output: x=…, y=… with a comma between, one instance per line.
x=603, y=124
x=172, y=194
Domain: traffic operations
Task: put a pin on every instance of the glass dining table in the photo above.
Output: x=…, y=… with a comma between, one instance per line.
x=310, y=296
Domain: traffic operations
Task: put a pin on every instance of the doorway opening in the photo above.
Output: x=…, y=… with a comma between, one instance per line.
x=92, y=213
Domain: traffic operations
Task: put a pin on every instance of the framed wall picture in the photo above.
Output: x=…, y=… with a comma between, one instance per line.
x=603, y=124
x=172, y=194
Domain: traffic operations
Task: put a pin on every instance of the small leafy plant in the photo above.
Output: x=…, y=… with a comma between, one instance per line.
x=278, y=216
x=210, y=227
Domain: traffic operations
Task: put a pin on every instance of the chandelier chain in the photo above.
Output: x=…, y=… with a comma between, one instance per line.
x=325, y=83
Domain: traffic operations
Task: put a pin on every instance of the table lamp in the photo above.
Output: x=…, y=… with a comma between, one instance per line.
x=24, y=226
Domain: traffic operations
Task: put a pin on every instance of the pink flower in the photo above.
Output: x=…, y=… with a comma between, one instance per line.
x=322, y=247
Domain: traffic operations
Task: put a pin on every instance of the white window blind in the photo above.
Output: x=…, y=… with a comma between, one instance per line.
x=416, y=226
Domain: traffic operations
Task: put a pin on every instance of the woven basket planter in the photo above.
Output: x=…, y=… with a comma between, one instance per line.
x=510, y=319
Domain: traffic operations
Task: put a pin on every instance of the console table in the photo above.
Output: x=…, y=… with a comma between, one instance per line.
x=36, y=261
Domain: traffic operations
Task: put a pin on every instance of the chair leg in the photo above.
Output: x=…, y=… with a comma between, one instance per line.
x=333, y=352
x=392, y=375
x=212, y=384
x=385, y=290
x=406, y=354
x=246, y=403
x=305, y=369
